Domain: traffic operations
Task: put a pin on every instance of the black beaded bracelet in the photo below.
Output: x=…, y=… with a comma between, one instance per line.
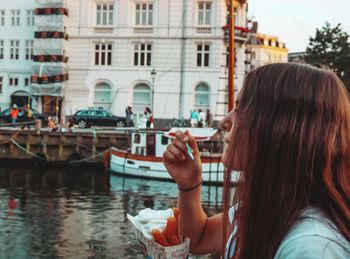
x=191, y=188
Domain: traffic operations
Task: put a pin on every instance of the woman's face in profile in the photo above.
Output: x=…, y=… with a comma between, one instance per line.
x=229, y=158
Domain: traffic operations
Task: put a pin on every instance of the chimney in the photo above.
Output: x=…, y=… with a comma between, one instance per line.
x=254, y=27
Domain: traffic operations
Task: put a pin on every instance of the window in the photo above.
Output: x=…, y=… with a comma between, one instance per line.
x=103, y=95
x=2, y=17
x=104, y=14
x=203, y=55
x=1, y=49
x=29, y=49
x=26, y=81
x=15, y=17
x=137, y=138
x=14, y=50
x=235, y=14
x=141, y=97
x=144, y=14
x=142, y=54
x=30, y=18
x=13, y=81
x=165, y=140
x=0, y=85
x=103, y=54
x=201, y=98
x=204, y=13
x=253, y=55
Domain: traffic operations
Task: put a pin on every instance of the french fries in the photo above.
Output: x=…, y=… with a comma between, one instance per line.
x=170, y=235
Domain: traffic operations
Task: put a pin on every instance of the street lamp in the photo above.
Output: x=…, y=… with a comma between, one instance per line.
x=153, y=76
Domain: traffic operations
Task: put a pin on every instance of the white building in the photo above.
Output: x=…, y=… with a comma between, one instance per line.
x=16, y=51
x=265, y=49
x=113, y=47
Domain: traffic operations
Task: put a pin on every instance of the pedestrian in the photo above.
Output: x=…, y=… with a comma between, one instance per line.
x=51, y=124
x=201, y=117
x=129, y=116
x=70, y=124
x=150, y=119
x=288, y=136
x=193, y=118
x=27, y=116
x=14, y=114
x=208, y=119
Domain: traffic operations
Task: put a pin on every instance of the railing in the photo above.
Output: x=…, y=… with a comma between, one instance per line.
x=203, y=30
x=103, y=30
x=146, y=30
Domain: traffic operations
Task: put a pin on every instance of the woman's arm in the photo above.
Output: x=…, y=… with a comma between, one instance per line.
x=205, y=233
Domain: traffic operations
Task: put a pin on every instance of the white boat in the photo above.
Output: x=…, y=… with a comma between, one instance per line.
x=144, y=159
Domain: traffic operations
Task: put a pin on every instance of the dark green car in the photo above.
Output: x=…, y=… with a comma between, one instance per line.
x=97, y=117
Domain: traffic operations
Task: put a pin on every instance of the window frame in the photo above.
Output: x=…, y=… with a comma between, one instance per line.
x=139, y=106
x=2, y=17
x=104, y=55
x=30, y=17
x=13, y=81
x=14, y=49
x=29, y=50
x=146, y=53
x=201, y=93
x=1, y=84
x=146, y=16
x=205, y=13
x=105, y=15
x=16, y=17
x=2, y=49
x=27, y=81
x=203, y=53
x=104, y=88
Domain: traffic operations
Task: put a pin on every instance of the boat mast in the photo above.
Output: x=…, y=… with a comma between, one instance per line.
x=231, y=63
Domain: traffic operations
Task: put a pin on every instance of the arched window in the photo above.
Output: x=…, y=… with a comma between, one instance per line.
x=201, y=96
x=141, y=98
x=103, y=96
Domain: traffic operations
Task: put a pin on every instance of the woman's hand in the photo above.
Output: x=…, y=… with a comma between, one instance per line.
x=185, y=171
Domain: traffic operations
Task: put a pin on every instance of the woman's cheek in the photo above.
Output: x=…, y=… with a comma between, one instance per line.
x=224, y=157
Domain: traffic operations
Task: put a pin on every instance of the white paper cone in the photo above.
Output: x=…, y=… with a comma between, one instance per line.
x=157, y=251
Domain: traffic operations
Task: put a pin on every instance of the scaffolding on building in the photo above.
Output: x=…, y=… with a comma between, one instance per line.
x=49, y=70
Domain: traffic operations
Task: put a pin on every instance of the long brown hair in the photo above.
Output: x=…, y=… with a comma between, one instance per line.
x=293, y=127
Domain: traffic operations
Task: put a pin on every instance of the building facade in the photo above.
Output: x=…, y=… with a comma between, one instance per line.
x=264, y=49
x=169, y=55
x=115, y=45
x=16, y=51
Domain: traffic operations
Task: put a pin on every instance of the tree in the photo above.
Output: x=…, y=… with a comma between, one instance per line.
x=331, y=48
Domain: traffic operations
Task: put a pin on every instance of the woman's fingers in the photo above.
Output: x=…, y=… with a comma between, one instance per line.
x=176, y=152
x=180, y=145
x=168, y=157
x=181, y=136
x=192, y=142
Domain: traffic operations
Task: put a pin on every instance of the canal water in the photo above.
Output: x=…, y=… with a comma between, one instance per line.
x=77, y=213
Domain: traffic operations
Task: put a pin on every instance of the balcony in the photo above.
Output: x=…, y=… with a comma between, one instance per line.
x=105, y=30
x=203, y=30
x=143, y=30
x=241, y=33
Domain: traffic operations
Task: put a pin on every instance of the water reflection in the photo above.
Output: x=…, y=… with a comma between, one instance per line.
x=73, y=214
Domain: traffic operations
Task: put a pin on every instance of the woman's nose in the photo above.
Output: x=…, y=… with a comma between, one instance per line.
x=227, y=122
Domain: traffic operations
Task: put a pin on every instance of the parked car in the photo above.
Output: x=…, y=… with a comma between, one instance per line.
x=5, y=116
x=97, y=117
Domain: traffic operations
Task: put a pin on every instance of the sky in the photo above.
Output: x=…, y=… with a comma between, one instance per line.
x=294, y=21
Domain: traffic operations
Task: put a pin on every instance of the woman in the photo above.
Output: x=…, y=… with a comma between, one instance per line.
x=149, y=115
x=289, y=136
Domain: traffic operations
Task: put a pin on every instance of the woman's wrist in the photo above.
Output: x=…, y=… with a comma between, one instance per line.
x=190, y=188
